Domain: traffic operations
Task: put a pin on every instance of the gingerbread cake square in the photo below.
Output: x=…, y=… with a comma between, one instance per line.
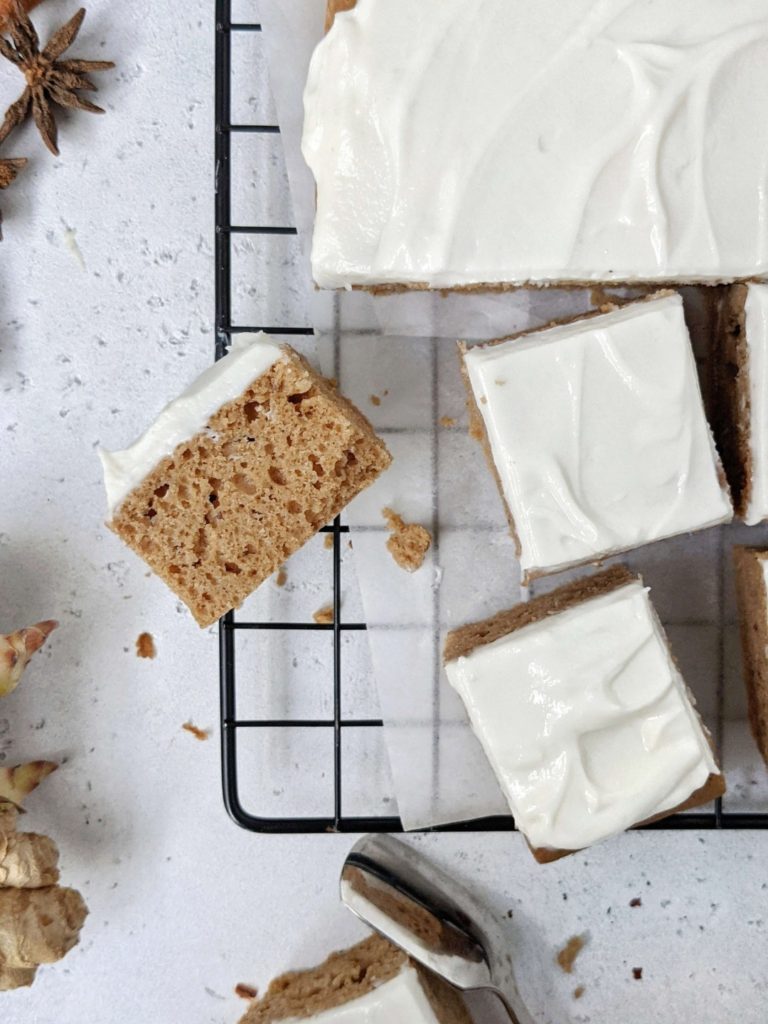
x=373, y=981
x=538, y=143
x=238, y=473
x=583, y=714
x=751, y=565
x=595, y=431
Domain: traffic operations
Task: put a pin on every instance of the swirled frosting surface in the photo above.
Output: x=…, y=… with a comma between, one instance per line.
x=586, y=720
x=562, y=140
x=598, y=434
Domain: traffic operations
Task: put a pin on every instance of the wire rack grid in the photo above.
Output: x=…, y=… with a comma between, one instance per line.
x=232, y=726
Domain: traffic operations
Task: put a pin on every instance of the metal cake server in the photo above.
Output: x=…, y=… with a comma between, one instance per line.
x=419, y=908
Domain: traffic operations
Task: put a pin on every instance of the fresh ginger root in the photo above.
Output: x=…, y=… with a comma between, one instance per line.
x=39, y=921
x=17, y=783
x=17, y=648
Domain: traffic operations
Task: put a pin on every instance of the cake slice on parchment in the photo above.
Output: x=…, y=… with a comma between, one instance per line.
x=751, y=565
x=583, y=714
x=538, y=143
x=595, y=431
x=373, y=982
x=238, y=473
x=740, y=400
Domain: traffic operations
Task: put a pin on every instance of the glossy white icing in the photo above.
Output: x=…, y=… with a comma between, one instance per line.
x=250, y=356
x=510, y=141
x=402, y=1000
x=598, y=433
x=586, y=720
x=756, y=312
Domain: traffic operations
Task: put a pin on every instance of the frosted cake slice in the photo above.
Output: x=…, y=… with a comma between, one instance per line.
x=740, y=371
x=238, y=472
x=751, y=565
x=582, y=713
x=538, y=143
x=373, y=982
x=596, y=434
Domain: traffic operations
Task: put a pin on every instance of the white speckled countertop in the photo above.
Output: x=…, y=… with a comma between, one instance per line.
x=106, y=302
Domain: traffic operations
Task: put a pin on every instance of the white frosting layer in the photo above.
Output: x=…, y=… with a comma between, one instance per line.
x=505, y=140
x=598, y=434
x=585, y=720
x=756, y=310
x=250, y=356
x=402, y=1000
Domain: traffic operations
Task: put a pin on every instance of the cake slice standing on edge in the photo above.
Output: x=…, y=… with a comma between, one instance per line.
x=751, y=565
x=583, y=714
x=596, y=434
x=740, y=378
x=373, y=982
x=238, y=473
x=460, y=145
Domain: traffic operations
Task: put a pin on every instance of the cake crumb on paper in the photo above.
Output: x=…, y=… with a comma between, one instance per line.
x=408, y=543
x=578, y=992
x=637, y=973
x=374, y=399
x=282, y=577
x=145, y=646
x=566, y=957
x=447, y=421
x=196, y=731
x=324, y=616
x=329, y=540
x=246, y=991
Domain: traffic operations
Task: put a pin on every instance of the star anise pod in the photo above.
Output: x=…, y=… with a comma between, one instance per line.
x=9, y=169
x=49, y=80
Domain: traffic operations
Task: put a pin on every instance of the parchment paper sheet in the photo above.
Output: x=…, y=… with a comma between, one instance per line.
x=401, y=351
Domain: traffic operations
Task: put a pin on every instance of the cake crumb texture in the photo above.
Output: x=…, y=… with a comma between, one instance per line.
x=324, y=616
x=408, y=543
x=345, y=976
x=730, y=400
x=566, y=957
x=196, y=731
x=230, y=505
x=753, y=623
x=145, y=646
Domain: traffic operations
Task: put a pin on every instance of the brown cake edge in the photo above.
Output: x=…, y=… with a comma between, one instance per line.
x=730, y=398
x=347, y=975
x=462, y=641
x=753, y=628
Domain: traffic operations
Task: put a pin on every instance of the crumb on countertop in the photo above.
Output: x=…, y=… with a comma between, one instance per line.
x=637, y=973
x=566, y=957
x=196, y=731
x=329, y=540
x=282, y=577
x=408, y=543
x=447, y=421
x=578, y=992
x=324, y=616
x=374, y=399
x=636, y=902
x=246, y=991
x=145, y=646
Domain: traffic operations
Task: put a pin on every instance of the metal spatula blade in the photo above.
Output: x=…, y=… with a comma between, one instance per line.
x=419, y=908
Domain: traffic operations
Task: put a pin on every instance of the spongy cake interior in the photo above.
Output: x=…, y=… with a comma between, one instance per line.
x=275, y=464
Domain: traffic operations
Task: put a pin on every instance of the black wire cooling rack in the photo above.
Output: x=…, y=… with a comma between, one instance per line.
x=233, y=727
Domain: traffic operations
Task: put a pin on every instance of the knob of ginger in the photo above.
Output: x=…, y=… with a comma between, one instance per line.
x=17, y=648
